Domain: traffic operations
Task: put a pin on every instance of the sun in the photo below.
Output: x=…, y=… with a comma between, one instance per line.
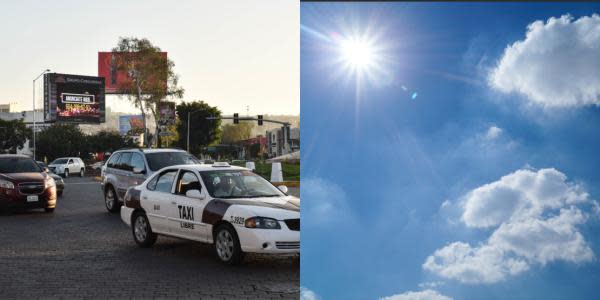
x=357, y=53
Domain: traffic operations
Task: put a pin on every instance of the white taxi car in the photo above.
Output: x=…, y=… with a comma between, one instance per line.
x=230, y=207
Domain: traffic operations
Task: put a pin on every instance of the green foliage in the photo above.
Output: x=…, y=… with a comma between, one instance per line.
x=291, y=171
x=203, y=132
x=107, y=141
x=233, y=133
x=60, y=140
x=13, y=135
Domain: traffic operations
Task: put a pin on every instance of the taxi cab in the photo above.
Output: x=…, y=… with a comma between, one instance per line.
x=230, y=207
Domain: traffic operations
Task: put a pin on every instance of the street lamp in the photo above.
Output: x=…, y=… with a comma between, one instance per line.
x=45, y=71
x=188, y=127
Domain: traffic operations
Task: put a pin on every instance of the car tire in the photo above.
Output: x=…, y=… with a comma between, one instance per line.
x=66, y=173
x=81, y=172
x=110, y=200
x=142, y=231
x=227, y=245
x=49, y=209
x=59, y=193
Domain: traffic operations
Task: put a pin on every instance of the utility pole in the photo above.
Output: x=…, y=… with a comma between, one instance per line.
x=45, y=71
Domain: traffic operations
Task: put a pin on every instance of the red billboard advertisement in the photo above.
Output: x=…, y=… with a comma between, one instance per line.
x=113, y=77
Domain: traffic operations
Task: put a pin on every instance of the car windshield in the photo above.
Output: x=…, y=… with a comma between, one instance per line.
x=238, y=184
x=18, y=165
x=159, y=160
x=59, y=161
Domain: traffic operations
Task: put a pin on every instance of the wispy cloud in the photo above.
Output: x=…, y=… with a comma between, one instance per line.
x=421, y=295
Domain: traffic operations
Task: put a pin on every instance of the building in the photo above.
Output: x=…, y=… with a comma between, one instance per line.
x=10, y=107
x=276, y=141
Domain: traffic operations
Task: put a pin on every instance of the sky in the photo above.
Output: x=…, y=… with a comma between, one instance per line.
x=230, y=54
x=459, y=159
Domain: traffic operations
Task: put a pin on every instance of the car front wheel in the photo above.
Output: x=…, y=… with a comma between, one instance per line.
x=110, y=200
x=227, y=245
x=142, y=232
x=66, y=173
x=81, y=172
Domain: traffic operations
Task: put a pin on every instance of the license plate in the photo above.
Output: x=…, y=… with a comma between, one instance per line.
x=33, y=198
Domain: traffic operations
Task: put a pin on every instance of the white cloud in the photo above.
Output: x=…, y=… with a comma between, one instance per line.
x=431, y=284
x=556, y=65
x=534, y=215
x=493, y=132
x=324, y=202
x=421, y=295
x=306, y=294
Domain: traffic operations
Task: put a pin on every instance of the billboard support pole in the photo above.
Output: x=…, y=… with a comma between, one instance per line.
x=45, y=71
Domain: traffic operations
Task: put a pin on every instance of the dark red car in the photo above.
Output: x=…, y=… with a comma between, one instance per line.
x=24, y=184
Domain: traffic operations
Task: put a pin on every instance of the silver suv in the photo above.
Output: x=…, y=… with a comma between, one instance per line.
x=130, y=167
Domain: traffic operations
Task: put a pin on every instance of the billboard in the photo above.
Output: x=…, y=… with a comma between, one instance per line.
x=129, y=124
x=167, y=113
x=73, y=98
x=107, y=68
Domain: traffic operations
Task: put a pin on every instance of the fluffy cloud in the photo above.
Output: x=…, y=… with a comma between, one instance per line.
x=556, y=65
x=534, y=215
x=306, y=294
x=422, y=295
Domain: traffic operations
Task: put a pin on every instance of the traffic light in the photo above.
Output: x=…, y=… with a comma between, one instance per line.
x=236, y=119
x=260, y=120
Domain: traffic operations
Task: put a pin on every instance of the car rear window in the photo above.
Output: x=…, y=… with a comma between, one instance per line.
x=159, y=160
x=60, y=161
x=19, y=165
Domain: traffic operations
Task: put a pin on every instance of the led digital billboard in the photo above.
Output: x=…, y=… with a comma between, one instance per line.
x=73, y=98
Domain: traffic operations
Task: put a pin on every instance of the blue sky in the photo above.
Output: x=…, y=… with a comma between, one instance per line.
x=482, y=186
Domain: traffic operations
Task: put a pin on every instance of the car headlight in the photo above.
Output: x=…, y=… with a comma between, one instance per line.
x=261, y=222
x=6, y=184
x=49, y=182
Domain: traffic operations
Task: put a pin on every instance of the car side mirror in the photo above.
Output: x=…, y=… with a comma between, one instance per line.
x=194, y=194
x=283, y=188
x=138, y=171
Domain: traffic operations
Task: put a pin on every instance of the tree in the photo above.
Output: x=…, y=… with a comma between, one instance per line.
x=203, y=132
x=13, y=135
x=61, y=140
x=107, y=141
x=236, y=132
x=150, y=73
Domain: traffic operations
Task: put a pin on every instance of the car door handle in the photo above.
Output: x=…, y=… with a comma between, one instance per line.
x=173, y=202
x=145, y=198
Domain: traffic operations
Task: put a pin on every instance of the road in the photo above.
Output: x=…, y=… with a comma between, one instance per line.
x=82, y=251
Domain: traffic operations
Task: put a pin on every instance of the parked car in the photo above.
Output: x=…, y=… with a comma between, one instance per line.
x=129, y=167
x=97, y=165
x=66, y=166
x=60, y=183
x=230, y=207
x=24, y=184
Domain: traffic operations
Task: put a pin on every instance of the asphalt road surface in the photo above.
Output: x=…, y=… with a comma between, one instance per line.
x=82, y=251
